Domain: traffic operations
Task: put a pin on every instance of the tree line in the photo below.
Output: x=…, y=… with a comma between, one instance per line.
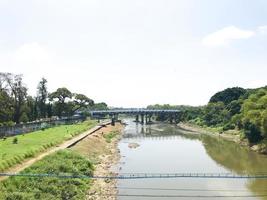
x=231, y=109
x=17, y=106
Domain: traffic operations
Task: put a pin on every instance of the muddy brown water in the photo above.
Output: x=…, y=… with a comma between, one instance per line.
x=165, y=148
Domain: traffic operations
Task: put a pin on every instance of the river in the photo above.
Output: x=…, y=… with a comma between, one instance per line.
x=165, y=148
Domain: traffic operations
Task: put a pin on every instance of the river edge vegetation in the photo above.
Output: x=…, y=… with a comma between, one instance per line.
x=110, y=136
x=16, y=149
x=234, y=110
x=63, y=162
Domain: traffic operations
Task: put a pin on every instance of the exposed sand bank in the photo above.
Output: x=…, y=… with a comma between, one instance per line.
x=230, y=135
x=104, y=154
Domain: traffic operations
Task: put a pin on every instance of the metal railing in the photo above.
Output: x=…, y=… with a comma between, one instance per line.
x=7, y=131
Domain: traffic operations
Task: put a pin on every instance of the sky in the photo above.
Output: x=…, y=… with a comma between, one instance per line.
x=135, y=53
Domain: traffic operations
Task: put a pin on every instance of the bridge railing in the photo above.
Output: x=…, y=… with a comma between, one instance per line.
x=132, y=111
x=6, y=131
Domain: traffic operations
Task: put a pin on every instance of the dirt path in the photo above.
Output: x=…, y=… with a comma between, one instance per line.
x=18, y=168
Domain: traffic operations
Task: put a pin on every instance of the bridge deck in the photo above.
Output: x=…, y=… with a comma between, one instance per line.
x=133, y=111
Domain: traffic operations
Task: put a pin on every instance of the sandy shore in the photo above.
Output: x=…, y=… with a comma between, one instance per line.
x=230, y=135
x=105, y=155
x=198, y=130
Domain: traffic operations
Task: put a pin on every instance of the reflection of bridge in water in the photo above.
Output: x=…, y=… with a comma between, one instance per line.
x=149, y=137
x=145, y=114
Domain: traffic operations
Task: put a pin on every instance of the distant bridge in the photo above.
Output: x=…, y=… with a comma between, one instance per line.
x=145, y=114
x=133, y=111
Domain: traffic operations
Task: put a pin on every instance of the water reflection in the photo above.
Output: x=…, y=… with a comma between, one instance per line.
x=237, y=159
x=168, y=149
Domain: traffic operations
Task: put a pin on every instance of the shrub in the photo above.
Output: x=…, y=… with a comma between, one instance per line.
x=252, y=132
x=24, y=118
x=15, y=140
x=110, y=136
x=228, y=126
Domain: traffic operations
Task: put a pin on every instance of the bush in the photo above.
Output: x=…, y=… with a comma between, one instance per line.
x=24, y=118
x=228, y=126
x=15, y=141
x=252, y=132
x=9, y=123
x=110, y=136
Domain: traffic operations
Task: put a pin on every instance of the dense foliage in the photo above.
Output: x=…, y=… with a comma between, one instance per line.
x=17, y=106
x=62, y=163
x=232, y=108
x=228, y=95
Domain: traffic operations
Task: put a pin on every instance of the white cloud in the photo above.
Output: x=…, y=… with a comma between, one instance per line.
x=226, y=35
x=262, y=29
x=31, y=53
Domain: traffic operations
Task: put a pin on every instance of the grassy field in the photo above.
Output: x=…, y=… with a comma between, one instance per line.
x=61, y=162
x=14, y=151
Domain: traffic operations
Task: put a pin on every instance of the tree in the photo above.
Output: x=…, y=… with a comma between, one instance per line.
x=252, y=132
x=49, y=110
x=42, y=95
x=6, y=102
x=31, y=108
x=60, y=96
x=6, y=107
x=215, y=114
x=18, y=93
x=100, y=106
x=23, y=118
x=255, y=115
x=228, y=95
x=234, y=107
x=264, y=123
x=82, y=101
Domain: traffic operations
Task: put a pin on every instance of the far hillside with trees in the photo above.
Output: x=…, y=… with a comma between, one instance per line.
x=243, y=110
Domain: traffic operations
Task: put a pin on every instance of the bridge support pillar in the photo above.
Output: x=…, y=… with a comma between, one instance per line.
x=113, y=120
x=137, y=118
x=149, y=118
x=177, y=118
x=171, y=119
x=142, y=118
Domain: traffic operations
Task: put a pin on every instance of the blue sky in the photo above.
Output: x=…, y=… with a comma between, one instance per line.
x=135, y=53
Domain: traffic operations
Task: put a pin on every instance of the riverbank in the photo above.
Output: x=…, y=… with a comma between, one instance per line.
x=62, y=162
x=101, y=148
x=93, y=153
x=15, y=157
x=231, y=135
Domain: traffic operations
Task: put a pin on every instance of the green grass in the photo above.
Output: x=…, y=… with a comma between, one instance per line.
x=30, y=144
x=110, y=136
x=48, y=188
